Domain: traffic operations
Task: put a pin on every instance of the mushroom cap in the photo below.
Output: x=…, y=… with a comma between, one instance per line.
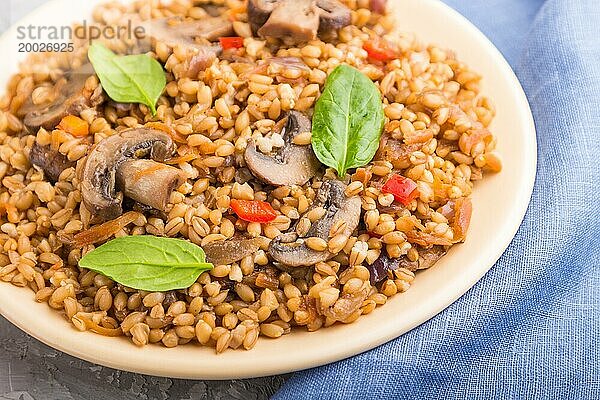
x=71, y=99
x=291, y=250
x=99, y=177
x=149, y=182
x=293, y=164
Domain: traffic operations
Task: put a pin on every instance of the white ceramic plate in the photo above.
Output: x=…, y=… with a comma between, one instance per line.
x=499, y=201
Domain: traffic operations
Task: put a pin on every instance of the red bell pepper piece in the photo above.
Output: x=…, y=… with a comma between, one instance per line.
x=235, y=42
x=404, y=189
x=379, y=49
x=253, y=210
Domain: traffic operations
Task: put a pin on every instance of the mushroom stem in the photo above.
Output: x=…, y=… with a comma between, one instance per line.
x=149, y=182
x=99, y=189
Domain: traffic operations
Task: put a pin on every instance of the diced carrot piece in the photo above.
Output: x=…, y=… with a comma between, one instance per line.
x=75, y=126
x=462, y=218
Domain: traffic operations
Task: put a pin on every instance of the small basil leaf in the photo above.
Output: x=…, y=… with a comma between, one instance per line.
x=149, y=263
x=348, y=120
x=128, y=79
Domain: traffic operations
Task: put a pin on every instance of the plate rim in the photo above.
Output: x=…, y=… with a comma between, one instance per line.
x=441, y=301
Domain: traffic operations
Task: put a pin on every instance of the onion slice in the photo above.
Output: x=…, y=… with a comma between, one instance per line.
x=103, y=232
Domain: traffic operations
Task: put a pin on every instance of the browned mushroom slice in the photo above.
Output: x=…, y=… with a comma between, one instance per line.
x=99, y=178
x=173, y=32
x=231, y=250
x=384, y=264
x=259, y=12
x=203, y=59
x=212, y=28
x=291, y=250
x=212, y=8
x=71, y=99
x=293, y=164
x=347, y=304
x=333, y=15
x=427, y=258
x=295, y=21
x=149, y=182
x=52, y=162
x=395, y=151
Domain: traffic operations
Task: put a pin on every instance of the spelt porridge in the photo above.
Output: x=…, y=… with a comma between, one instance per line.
x=239, y=172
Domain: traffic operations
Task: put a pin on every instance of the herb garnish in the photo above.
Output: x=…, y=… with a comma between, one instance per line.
x=348, y=120
x=149, y=263
x=128, y=79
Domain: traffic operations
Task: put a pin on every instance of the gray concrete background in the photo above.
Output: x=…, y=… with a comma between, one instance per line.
x=30, y=370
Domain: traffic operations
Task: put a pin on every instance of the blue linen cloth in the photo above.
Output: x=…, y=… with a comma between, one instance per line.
x=530, y=329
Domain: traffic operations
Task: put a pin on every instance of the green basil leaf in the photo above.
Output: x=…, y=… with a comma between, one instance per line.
x=151, y=263
x=348, y=120
x=128, y=79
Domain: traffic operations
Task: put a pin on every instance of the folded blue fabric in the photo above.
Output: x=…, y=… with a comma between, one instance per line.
x=530, y=329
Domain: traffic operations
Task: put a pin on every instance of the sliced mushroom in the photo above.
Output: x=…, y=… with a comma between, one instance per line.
x=72, y=98
x=384, y=264
x=296, y=21
x=291, y=250
x=173, y=32
x=293, y=164
x=259, y=12
x=334, y=15
x=347, y=304
x=213, y=9
x=99, y=177
x=149, y=182
x=231, y=250
x=396, y=151
x=52, y=162
x=202, y=59
x=427, y=258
